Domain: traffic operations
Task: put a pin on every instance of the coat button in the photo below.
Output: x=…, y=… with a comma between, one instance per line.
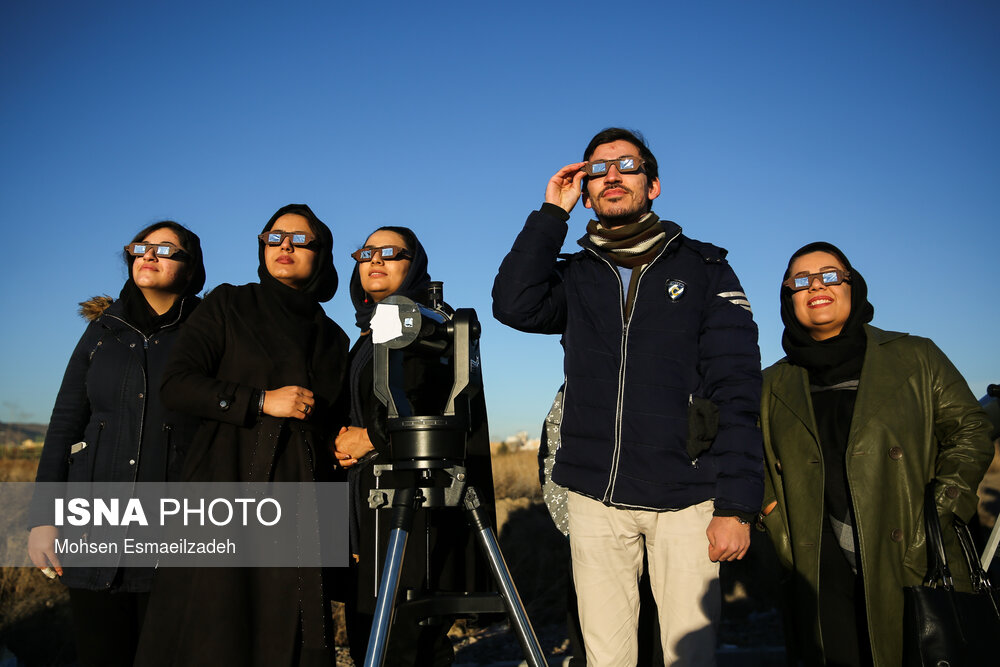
x=896, y=453
x=131, y=462
x=224, y=404
x=140, y=394
x=777, y=467
x=951, y=492
x=896, y=535
x=131, y=344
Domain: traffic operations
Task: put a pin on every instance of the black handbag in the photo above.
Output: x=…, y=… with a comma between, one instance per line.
x=943, y=627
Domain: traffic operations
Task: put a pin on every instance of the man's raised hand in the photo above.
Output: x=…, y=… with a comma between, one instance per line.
x=564, y=188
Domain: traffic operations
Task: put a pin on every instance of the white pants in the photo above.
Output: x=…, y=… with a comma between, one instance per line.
x=606, y=544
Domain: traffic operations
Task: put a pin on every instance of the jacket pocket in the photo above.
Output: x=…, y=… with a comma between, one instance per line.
x=703, y=426
x=83, y=455
x=774, y=525
x=915, y=555
x=170, y=456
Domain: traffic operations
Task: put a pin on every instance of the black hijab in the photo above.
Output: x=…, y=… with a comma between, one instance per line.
x=295, y=312
x=838, y=358
x=414, y=285
x=137, y=310
x=322, y=284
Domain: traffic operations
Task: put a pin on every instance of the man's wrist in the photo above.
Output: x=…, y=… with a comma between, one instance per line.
x=745, y=518
x=554, y=210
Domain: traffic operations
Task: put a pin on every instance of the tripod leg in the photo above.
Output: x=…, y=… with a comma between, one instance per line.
x=515, y=608
x=402, y=522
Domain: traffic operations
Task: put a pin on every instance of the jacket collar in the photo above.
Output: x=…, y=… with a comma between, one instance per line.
x=114, y=317
x=880, y=378
x=794, y=393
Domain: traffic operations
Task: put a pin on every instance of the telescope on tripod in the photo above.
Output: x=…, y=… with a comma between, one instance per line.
x=427, y=464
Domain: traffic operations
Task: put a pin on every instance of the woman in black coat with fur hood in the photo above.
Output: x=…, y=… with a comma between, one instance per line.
x=109, y=425
x=263, y=366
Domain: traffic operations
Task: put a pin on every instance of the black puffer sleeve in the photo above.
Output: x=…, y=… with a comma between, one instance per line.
x=729, y=364
x=528, y=292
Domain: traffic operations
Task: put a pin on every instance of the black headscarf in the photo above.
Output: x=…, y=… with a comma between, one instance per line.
x=295, y=311
x=838, y=358
x=414, y=285
x=322, y=284
x=137, y=310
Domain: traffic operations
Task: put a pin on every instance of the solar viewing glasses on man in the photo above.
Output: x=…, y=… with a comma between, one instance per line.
x=626, y=164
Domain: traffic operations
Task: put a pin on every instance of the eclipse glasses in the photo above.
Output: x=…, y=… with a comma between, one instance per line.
x=385, y=253
x=159, y=249
x=829, y=277
x=299, y=239
x=626, y=164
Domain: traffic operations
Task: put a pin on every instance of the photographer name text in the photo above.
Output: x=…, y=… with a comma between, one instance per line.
x=131, y=546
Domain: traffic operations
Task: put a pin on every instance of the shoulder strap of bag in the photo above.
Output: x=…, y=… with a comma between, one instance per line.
x=938, y=572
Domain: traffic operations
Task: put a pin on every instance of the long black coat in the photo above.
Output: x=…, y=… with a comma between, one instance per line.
x=109, y=424
x=234, y=348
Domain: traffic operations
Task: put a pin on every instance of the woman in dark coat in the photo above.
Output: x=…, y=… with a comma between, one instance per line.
x=857, y=422
x=397, y=264
x=109, y=425
x=263, y=366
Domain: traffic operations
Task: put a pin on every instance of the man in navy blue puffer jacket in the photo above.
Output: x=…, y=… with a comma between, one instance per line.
x=660, y=444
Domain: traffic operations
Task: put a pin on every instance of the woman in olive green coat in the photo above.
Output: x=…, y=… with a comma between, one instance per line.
x=857, y=421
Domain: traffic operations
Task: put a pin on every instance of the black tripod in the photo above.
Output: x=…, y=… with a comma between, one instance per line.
x=428, y=471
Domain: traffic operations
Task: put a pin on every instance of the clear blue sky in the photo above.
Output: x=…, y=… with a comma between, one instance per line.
x=873, y=125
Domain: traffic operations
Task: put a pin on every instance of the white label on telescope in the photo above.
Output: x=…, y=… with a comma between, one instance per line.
x=385, y=323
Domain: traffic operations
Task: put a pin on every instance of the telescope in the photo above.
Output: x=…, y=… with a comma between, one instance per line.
x=427, y=462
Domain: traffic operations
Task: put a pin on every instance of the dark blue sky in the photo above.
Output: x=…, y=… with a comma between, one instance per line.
x=870, y=125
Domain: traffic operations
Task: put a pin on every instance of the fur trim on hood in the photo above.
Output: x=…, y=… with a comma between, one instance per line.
x=92, y=308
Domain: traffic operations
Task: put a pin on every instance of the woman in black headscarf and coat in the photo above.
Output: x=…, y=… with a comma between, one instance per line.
x=109, y=425
x=393, y=262
x=264, y=368
x=857, y=421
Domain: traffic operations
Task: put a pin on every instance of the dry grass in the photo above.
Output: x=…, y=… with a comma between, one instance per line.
x=34, y=611
x=18, y=470
x=515, y=475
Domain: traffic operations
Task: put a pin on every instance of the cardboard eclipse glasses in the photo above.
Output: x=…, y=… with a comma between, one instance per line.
x=385, y=253
x=299, y=239
x=626, y=164
x=161, y=251
x=829, y=277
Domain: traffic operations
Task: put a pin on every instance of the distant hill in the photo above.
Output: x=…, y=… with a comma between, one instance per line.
x=16, y=434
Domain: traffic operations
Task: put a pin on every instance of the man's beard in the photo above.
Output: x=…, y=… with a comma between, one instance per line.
x=618, y=213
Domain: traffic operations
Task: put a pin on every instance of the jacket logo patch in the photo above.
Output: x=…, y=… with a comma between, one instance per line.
x=676, y=289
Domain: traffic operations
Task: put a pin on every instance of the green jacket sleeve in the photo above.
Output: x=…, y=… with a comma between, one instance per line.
x=963, y=434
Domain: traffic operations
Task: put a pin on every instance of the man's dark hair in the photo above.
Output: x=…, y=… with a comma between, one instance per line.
x=189, y=242
x=607, y=135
